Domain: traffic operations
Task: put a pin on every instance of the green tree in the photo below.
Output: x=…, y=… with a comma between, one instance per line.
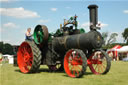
x=112, y=38
x=8, y=49
x=125, y=35
x=109, y=40
x=1, y=47
x=105, y=36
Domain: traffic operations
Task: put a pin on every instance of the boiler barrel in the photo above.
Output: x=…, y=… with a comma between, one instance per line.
x=90, y=40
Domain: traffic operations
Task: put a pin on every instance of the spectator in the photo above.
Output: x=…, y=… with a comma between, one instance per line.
x=0, y=58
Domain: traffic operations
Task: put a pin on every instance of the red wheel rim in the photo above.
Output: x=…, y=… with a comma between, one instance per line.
x=97, y=62
x=25, y=57
x=73, y=63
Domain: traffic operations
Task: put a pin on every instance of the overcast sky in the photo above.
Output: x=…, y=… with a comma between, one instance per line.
x=17, y=15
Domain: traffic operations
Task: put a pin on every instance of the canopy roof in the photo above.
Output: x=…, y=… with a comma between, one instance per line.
x=119, y=49
x=116, y=47
x=123, y=49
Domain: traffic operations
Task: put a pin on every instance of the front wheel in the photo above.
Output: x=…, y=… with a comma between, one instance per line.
x=99, y=62
x=75, y=63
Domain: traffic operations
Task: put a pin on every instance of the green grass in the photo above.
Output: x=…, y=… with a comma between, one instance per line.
x=118, y=75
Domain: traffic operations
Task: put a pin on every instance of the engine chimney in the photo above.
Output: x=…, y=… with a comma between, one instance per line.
x=93, y=16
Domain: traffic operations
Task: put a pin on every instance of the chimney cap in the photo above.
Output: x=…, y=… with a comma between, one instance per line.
x=92, y=6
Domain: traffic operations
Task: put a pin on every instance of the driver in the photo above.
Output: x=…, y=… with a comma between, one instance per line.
x=28, y=34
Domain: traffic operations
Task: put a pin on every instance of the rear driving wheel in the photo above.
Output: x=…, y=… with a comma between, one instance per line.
x=28, y=57
x=99, y=62
x=75, y=63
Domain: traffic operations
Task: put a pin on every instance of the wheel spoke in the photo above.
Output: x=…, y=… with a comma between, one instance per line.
x=77, y=54
x=102, y=68
x=70, y=65
x=104, y=62
x=70, y=59
x=73, y=72
x=29, y=50
x=96, y=66
x=24, y=49
x=72, y=68
x=24, y=64
x=25, y=67
x=76, y=71
x=30, y=62
x=79, y=68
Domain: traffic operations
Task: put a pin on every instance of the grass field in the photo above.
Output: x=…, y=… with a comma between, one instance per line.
x=10, y=75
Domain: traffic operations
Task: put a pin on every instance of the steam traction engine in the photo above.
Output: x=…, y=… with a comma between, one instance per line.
x=69, y=48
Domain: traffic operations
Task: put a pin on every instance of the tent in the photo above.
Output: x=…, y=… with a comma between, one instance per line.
x=113, y=52
x=9, y=58
x=123, y=52
x=116, y=50
x=0, y=57
x=123, y=49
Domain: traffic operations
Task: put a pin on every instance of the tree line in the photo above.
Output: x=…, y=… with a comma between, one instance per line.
x=6, y=48
x=109, y=41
